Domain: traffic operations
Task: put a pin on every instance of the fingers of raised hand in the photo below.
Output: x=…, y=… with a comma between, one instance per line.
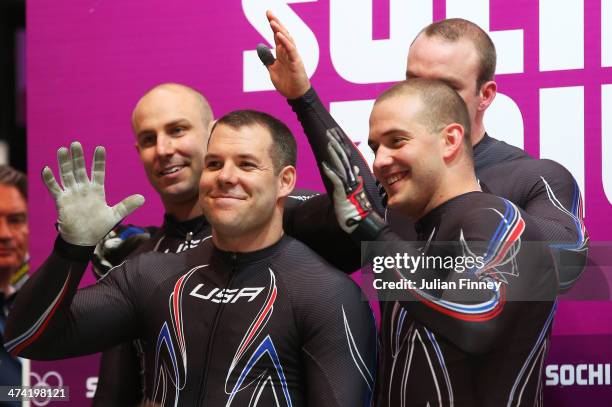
x=285, y=44
x=65, y=167
x=78, y=163
x=128, y=205
x=277, y=26
x=50, y=182
x=98, y=166
x=335, y=141
x=335, y=179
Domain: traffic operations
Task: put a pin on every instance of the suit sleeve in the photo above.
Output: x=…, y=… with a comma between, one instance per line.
x=53, y=319
x=555, y=205
x=339, y=347
x=120, y=381
x=314, y=222
x=316, y=120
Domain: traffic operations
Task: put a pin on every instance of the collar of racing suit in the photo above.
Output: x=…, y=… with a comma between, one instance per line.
x=483, y=144
x=425, y=225
x=175, y=228
x=239, y=258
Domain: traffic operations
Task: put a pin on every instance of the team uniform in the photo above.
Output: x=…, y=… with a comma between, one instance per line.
x=121, y=377
x=274, y=327
x=466, y=346
x=486, y=351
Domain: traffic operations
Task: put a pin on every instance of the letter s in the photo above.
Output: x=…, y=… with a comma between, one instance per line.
x=552, y=375
x=255, y=76
x=91, y=384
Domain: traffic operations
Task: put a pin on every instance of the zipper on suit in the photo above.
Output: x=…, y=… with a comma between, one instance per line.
x=211, y=338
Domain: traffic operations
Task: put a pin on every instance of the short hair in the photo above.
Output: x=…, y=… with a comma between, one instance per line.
x=454, y=29
x=284, y=148
x=12, y=177
x=441, y=106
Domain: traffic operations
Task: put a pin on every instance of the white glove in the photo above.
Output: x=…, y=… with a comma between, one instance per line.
x=83, y=217
x=350, y=201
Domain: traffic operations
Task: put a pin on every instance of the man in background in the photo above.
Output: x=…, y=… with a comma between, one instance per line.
x=14, y=235
x=171, y=124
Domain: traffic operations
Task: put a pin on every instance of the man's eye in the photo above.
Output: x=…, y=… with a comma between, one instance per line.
x=178, y=130
x=17, y=219
x=212, y=165
x=248, y=165
x=147, y=141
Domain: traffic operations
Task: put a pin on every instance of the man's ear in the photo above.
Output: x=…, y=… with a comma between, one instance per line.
x=452, y=136
x=487, y=94
x=286, y=179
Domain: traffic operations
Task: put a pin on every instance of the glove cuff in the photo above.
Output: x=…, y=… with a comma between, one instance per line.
x=72, y=251
x=369, y=228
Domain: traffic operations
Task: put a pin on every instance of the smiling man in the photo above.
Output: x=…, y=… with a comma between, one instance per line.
x=171, y=127
x=171, y=124
x=248, y=317
x=450, y=335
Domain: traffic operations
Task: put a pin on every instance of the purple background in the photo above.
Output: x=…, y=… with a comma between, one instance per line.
x=89, y=62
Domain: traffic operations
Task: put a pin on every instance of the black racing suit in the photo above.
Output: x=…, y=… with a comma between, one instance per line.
x=475, y=352
x=456, y=345
x=543, y=188
x=274, y=327
x=120, y=381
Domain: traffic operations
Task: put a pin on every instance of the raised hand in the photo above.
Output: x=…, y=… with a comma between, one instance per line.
x=83, y=216
x=287, y=70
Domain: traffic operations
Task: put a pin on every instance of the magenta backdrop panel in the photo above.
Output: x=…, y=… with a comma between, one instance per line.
x=89, y=61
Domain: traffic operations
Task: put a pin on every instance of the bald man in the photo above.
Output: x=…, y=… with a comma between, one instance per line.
x=171, y=124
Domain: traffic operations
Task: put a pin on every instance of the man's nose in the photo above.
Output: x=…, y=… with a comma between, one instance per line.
x=5, y=231
x=164, y=145
x=227, y=174
x=383, y=159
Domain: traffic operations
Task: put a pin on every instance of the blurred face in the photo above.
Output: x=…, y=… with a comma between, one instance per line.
x=239, y=190
x=14, y=230
x=408, y=158
x=171, y=140
x=455, y=63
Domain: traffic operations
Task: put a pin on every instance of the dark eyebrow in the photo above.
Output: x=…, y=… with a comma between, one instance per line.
x=249, y=157
x=241, y=156
x=144, y=132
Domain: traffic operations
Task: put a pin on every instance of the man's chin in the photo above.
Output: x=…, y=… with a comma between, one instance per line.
x=178, y=194
x=8, y=265
x=228, y=228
